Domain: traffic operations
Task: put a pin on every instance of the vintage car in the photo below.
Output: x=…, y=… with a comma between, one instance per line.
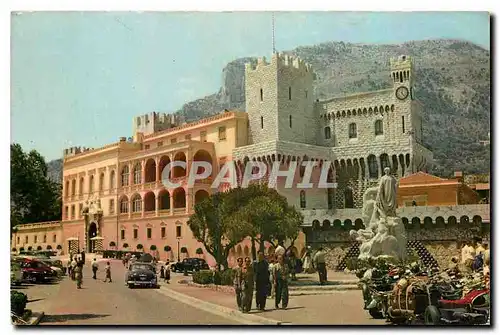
x=35, y=271
x=190, y=265
x=141, y=274
x=55, y=265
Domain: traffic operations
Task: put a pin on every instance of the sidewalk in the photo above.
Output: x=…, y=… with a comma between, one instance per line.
x=340, y=308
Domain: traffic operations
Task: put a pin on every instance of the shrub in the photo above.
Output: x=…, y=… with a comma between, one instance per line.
x=139, y=247
x=18, y=302
x=224, y=278
x=125, y=245
x=112, y=244
x=184, y=250
x=14, y=249
x=30, y=248
x=199, y=251
x=203, y=277
x=167, y=248
x=39, y=248
x=21, y=249
x=153, y=247
x=49, y=247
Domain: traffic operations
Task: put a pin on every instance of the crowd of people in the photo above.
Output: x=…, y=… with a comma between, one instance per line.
x=270, y=277
x=475, y=256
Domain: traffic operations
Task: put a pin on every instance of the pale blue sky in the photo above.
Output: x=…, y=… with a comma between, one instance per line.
x=79, y=78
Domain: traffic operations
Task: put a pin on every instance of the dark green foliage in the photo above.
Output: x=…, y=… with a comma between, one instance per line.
x=18, y=301
x=139, y=246
x=184, y=250
x=199, y=251
x=34, y=198
x=210, y=277
x=167, y=248
x=203, y=277
x=153, y=247
x=112, y=244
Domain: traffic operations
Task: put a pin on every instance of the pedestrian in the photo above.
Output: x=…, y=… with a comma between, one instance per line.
x=272, y=262
x=307, y=261
x=261, y=281
x=95, y=267
x=319, y=260
x=280, y=250
x=292, y=264
x=167, y=272
x=79, y=274
x=238, y=281
x=162, y=272
x=68, y=266
x=73, y=267
x=281, y=276
x=248, y=285
x=468, y=255
x=108, y=272
x=83, y=257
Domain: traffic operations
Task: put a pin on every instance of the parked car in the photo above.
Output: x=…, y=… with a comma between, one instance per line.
x=56, y=265
x=141, y=274
x=16, y=274
x=190, y=265
x=35, y=271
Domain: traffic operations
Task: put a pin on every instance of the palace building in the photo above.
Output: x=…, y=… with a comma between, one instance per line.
x=113, y=197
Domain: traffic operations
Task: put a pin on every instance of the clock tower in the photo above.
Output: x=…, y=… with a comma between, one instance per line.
x=402, y=74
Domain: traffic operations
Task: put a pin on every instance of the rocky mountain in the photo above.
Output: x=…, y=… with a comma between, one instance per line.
x=452, y=82
x=54, y=170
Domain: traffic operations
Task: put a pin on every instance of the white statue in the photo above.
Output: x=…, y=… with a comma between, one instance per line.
x=384, y=234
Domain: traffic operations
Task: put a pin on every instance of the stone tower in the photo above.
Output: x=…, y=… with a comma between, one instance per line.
x=279, y=100
x=408, y=109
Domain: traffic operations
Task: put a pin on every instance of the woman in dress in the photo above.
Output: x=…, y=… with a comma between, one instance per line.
x=307, y=261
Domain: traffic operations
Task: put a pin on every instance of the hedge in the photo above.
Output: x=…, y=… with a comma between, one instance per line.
x=210, y=277
x=18, y=301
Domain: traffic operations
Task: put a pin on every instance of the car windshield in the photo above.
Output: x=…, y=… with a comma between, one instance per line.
x=136, y=267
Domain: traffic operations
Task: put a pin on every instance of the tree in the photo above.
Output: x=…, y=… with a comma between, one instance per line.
x=213, y=225
x=271, y=218
x=34, y=198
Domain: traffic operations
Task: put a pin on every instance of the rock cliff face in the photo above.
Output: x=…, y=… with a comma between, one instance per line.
x=452, y=82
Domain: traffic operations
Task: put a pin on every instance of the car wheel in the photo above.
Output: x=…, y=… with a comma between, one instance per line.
x=376, y=313
x=432, y=316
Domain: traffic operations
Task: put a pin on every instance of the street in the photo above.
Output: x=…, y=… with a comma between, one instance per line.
x=99, y=303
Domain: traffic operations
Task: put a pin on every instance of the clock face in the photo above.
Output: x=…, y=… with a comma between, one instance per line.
x=402, y=93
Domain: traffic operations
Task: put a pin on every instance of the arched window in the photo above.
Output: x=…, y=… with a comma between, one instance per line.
x=125, y=173
x=124, y=205
x=66, y=190
x=384, y=161
x=353, y=131
x=379, y=127
x=136, y=204
x=91, y=184
x=112, y=180
x=372, y=166
x=328, y=133
x=137, y=174
x=302, y=199
x=73, y=187
x=101, y=182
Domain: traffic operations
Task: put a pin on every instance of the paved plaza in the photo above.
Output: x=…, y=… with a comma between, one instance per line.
x=99, y=303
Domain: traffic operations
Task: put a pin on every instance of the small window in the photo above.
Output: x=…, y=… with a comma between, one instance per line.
x=80, y=209
x=148, y=231
x=122, y=234
x=187, y=137
x=403, y=122
x=44, y=238
x=379, y=127
x=203, y=136
x=73, y=210
x=18, y=240
x=173, y=141
x=54, y=238
x=222, y=133
x=26, y=239
x=353, y=131
x=290, y=121
x=111, y=206
x=146, y=147
x=302, y=199
x=261, y=95
x=135, y=233
x=261, y=122
x=289, y=93
x=36, y=239
x=160, y=144
x=66, y=212
x=178, y=231
x=328, y=133
x=163, y=232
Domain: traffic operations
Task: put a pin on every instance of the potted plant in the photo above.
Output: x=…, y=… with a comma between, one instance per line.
x=49, y=247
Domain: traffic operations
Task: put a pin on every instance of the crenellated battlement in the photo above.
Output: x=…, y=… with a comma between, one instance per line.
x=280, y=60
x=154, y=122
x=400, y=62
x=71, y=151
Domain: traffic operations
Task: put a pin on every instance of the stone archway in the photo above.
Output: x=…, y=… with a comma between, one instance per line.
x=92, y=232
